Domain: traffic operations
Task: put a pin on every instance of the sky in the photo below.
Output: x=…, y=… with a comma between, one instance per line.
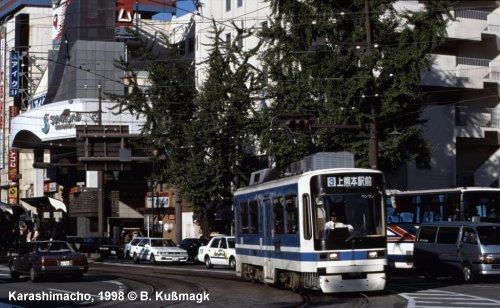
x=183, y=7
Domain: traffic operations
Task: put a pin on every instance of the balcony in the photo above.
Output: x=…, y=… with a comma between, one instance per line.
x=460, y=72
x=469, y=24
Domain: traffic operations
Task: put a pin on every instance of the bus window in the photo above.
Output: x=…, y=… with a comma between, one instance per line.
x=254, y=217
x=278, y=215
x=292, y=213
x=244, y=217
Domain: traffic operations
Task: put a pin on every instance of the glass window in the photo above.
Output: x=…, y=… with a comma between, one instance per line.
x=228, y=40
x=469, y=236
x=427, y=234
x=279, y=225
x=228, y=5
x=215, y=243
x=254, y=217
x=244, y=217
x=447, y=235
x=240, y=3
x=306, y=217
x=292, y=214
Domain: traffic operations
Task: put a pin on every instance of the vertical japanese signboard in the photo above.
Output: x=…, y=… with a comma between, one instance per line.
x=14, y=74
x=2, y=94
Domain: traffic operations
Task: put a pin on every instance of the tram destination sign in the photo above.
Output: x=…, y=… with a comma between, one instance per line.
x=350, y=181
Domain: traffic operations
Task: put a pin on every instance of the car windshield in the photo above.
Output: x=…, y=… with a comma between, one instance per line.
x=489, y=235
x=53, y=247
x=162, y=243
x=106, y=240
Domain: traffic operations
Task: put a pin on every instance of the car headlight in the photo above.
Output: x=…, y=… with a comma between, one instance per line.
x=375, y=254
x=486, y=258
x=333, y=256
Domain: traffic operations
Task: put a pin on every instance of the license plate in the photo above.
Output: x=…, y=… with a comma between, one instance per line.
x=175, y=259
x=65, y=263
x=113, y=252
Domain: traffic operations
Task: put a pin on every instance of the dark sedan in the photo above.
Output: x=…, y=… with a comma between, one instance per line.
x=47, y=258
x=103, y=245
x=191, y=245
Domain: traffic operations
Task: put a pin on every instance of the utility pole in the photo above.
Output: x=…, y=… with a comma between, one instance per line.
x=373, y=142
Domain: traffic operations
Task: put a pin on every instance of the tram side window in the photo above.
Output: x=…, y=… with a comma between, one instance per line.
x=279, y=225
x=292, y=214
x=306, y=219
x=244, y=217
x=254, y=217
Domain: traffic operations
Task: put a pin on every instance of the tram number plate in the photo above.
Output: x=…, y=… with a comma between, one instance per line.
x=65, y=263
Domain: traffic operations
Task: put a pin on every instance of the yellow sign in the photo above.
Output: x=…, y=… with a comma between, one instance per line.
x=13, y=195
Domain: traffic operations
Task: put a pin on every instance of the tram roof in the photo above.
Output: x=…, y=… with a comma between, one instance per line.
x=441, y=190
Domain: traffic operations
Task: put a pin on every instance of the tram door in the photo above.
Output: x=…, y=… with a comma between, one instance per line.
x=267, y=238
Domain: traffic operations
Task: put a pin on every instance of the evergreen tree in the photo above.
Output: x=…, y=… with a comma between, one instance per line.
x=221, y=130
x=321, y=67
x=165, y=100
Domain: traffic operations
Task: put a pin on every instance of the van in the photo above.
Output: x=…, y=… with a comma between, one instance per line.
x=461, y=249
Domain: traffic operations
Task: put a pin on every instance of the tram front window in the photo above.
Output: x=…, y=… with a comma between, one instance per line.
x=341, y=218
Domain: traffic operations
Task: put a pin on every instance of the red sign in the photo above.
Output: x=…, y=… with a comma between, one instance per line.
x=13, y=164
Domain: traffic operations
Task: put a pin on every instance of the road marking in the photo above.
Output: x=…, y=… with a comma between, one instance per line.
x=436, y=298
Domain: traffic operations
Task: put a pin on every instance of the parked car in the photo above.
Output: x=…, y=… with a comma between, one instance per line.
x=44, y=258
x=460, y=249
x=128, y=247
x=75, y=242
x=103, y=245
x=191, y=245
x=219, y=251
x=156, y=250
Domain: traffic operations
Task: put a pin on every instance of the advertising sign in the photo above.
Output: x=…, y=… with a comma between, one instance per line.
x=14, y=74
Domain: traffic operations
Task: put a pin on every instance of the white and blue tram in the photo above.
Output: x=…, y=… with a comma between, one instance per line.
x=281, y=236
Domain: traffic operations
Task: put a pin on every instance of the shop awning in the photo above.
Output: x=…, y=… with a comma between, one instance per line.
x=126, y=211
x=44, y=203
x=6, y=208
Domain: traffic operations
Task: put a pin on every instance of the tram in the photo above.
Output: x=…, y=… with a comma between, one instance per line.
x=282, y=234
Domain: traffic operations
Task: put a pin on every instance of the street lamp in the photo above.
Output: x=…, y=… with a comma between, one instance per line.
x=152, y=186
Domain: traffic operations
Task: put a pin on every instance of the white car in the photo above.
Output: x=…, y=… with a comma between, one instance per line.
x=156, y=250
x=219, y=251
x=128, y=247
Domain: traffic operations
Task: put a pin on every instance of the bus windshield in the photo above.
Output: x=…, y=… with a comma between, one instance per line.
x=343, y=217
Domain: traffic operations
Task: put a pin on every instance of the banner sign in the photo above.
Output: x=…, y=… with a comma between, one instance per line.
x=14, y=74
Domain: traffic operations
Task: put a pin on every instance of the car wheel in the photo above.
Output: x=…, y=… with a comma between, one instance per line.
x=152, y=259
x=33, y=275
x=136, y=258
x=232, y=263
x=467, y=274
x=208, y=263
x=429, y=275
x=13, y=274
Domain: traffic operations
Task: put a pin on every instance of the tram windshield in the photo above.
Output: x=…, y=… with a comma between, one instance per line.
x=342, y=218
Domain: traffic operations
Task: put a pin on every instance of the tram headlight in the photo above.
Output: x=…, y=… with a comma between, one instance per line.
x=333, y=256
x=375, y=254
x=486, y=258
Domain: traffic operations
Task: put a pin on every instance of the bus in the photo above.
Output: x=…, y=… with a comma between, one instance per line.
x=282, y=236
x=406, y=210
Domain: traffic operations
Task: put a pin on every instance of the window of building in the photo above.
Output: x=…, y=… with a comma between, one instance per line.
x=228, y=5
x=228, y=40
x=240, y=3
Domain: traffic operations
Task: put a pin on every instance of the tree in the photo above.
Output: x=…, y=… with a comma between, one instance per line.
x=165, y=100
x=323, y=66
x=221, y=131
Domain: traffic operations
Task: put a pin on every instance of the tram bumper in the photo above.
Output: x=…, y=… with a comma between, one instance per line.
x=352, y=282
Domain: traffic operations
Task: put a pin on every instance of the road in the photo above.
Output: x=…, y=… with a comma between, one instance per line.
x=125, y=284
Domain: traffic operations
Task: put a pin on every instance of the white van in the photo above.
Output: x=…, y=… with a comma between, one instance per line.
x=461, y=249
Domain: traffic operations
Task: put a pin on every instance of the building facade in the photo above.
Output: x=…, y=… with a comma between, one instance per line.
x=65, y=153
x=462, y=114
